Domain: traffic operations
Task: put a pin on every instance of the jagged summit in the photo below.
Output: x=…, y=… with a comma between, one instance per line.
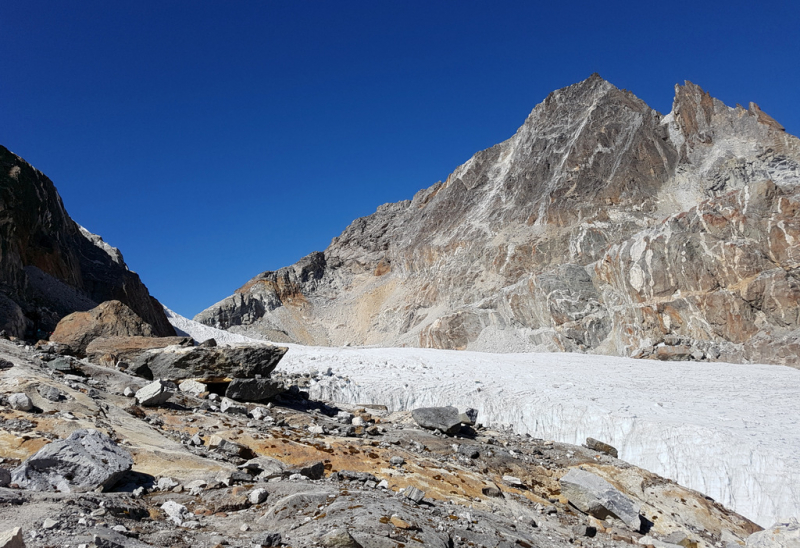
x=588, y=230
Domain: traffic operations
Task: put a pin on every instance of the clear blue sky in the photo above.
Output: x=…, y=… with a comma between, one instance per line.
x=211, y=141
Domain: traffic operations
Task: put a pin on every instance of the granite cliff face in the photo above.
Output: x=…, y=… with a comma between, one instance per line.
x=50, y=266
x=600, y=226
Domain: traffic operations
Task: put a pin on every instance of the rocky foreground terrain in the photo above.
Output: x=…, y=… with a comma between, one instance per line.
x=222, y=449
x=600, y=226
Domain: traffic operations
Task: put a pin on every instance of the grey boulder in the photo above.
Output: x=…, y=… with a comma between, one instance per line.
x=446, y=419
x=593, y=495
x=254, y=389
x=207, y=364
x=601, y=447
x=20, y=402
x=155, y=393
x=84, y=461
x=5, y=477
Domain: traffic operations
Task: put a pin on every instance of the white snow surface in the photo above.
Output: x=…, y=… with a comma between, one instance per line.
x=727, y=430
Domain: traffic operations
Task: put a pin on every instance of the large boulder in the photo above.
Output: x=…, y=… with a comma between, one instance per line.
x=446, y=419
x=593, y=495
x=114, y=349
x=254, y=389
x=84, y=461
x=217, y=364
x=110, y=319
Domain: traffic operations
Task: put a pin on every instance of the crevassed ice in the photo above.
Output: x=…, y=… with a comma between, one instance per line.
x=729, y=431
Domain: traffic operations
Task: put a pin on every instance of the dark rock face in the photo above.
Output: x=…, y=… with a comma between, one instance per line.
x=50, y=266
x=601, y=225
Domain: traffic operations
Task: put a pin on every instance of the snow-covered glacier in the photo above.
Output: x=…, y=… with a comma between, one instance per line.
x=727, y=430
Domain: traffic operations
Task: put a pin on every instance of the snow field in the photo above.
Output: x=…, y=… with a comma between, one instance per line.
x=727, y=430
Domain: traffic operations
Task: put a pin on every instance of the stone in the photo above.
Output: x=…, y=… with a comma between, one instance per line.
x=50, y=393
x=258, y=495
x=12, y=538
x=513, y=481
x=339, y=538
x=84, y=461
x=129, y=392
x=254, y=390
x=311, y=470
x=228, y=405
x=471, y=451
x=5, y=364
x=5, y=477
x=491, y=491
x=469, y=417
x=593, y=495
x=270, y=539
x=156, y=393
x=20, y=402
x=414, y=494
x=218, y=364
x=208, y=343
x=166, y=484
x=397, y=461
x=63, y=364
x=259, y=413
x=228, y=447
x=111, y=318
x=783, y=534
x=176, y=512
x=601, y=447
x=192, y=387
x=111, y=350
x=446, y=419
x=49, y=523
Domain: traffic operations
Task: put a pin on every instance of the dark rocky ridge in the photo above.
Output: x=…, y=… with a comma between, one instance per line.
x=601, y=225
x=50, y=266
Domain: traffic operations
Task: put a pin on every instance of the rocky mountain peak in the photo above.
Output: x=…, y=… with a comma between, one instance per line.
x=511, y=252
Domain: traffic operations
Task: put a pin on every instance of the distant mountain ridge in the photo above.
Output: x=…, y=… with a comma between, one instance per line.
x=600, y=226
x=50, y=266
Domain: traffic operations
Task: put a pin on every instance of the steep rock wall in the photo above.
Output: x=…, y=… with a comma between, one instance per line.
x=50, y=266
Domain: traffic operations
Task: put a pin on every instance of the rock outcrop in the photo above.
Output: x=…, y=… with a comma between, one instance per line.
x=50, y=266
x=600, y=226
x=109, y=319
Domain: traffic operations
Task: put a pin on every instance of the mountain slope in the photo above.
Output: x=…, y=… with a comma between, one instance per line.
x=50, y=266
x=529, y=245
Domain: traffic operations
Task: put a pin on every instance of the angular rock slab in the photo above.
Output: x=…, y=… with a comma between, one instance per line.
x=155, y=393
x=593, y=495
x=446, y=419
x=208, y=364
x=84, y=461
x=254, y=389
